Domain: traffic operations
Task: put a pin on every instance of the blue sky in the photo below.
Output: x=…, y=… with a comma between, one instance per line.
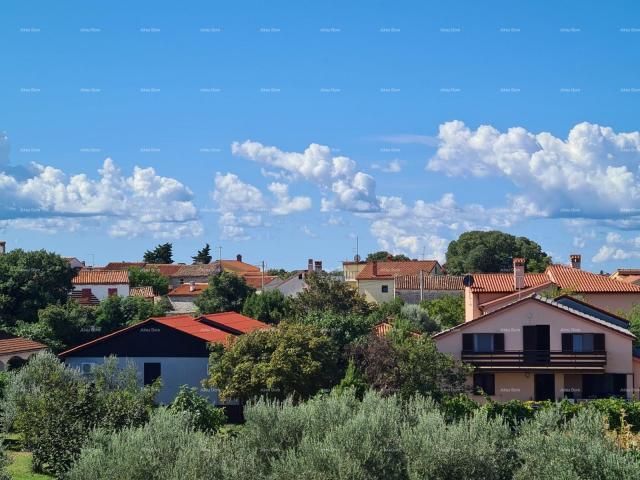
x=428, y=118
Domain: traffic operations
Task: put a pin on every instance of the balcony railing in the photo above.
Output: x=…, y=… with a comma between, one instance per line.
x=536, y=360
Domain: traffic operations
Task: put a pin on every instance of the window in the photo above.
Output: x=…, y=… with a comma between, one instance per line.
x=483, y=342
x=151, y=372
x=181, y=281
x=485, y=382
x=112, y=292
x=385, y=288
x=86, y=292
x=582, y=342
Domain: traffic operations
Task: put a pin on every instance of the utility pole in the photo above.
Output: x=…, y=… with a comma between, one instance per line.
x=262, y=289
x=421, y=286
x=220, y=255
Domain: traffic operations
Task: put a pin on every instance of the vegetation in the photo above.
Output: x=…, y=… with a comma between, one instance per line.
x=288, y=360
x=326, y=294
x=19, y=467
x=633, y=316
x=161, y=254
x=493, y=251
x=280, y=273
x=226, y=293
x=202, y=414
x=447, y=311
x=383, y=256
x=54, y=407
x=148, y=277
x=418, y=319
x=269, y=306
x=203, y=255
x=30, y=281
x=337, y=436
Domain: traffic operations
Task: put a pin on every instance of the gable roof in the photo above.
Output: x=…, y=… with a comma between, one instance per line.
x=122, y=265
x=429, y=282
x=10, y=344
x=96, y=276
x=592, y=310
x=184, y=290
x=197, y=270
x=503, y=282
x=233, y=322
x=628, y=275
x=389, y=269
x=546, y=301
x=238, y=266
x=254, y=279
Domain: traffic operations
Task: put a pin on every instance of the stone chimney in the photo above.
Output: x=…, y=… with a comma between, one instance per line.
x=310, y=265
x=239, y=257
x=318, y=266
x=518, y=273
x=576, y=260
x=3, y=248
x=375, y=269
x=192, y=286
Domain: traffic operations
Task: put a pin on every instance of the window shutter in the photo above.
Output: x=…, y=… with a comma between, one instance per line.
x=467, y=342
x=498, y=342
x=598, y=342
x=567, y=342
x=490, y=384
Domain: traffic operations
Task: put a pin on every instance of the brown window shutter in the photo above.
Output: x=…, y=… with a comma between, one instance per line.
x=598, y=342
x=467, y=342
x=567, y=342
x=498, y=342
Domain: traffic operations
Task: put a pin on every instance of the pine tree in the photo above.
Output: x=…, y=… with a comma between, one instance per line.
x=203, y=256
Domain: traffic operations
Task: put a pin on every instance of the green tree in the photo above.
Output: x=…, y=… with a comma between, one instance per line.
x=161, y=254
x=383, y=256
x=287, y=360
x=493, y=251
x=203, y=256
x=327, y=294
x=633, y=315
x=149, y=277
x=116, y=312
x=269, y=306
x=30, y=281
x=447, y=310
x=226, y=293
x=418, y=319
x=203, y=415
x=280, y=273
x=342, y=328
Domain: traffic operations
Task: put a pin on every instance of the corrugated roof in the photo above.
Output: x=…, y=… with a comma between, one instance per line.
x=234, y=321
x=389, y=269
x=95, y=276
x=429, y=282
x=145, y=292
x=10, y=344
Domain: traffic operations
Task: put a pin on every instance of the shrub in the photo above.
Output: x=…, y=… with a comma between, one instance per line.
x=204, y=416
x=457, y=407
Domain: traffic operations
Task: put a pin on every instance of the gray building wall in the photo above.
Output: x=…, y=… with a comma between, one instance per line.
x=413, y=296
x=174, y=372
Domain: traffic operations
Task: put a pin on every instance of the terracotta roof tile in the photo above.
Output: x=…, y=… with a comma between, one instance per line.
x=582, y=281
x=10, y=344
x=96, y=276
x=429, y=282
x=78, y=296
x=503, y=282
x=238, y=266
x=145, y=292
x=199, y=270
x=122, y=265
x=184, y=290
x=254, y=279
x=234, y=321
x=386, y=270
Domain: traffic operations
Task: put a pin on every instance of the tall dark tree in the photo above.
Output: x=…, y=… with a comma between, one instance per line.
x=383, y=256
x=161, y=254
x=30, y=281
x=493, y=251
x=203, y=256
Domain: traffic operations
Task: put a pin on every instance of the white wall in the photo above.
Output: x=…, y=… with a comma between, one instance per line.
x=174, y=371
x=102, y=291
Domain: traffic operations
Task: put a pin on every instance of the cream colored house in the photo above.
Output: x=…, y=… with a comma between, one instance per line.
x=535, y=348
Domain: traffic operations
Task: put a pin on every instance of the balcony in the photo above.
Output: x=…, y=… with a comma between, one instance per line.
x=536, y=360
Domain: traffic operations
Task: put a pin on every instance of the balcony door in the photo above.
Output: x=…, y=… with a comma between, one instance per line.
x=544, y=386
x=536, y=342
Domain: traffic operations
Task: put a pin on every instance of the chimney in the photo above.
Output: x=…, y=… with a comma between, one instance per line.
x=3, y=248
x=576, y=260
x=310, y=265
x=375, y=269
x=518, y=273
x=239, y=257
x=192, y=286
x=318, y=266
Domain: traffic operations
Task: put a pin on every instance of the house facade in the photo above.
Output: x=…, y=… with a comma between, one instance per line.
x=172, y=348
x=540, y=349
x=183, y=297
x=14, y=351
x=93, y=284
x=627, y=275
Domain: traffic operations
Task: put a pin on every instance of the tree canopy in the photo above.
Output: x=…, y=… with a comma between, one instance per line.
x=148, y=277
x=30, y=281
x=203, y=255
x=493, y=251
x=383, y=255
x=161, y=254
x=447, y=310
x=226, y=292
x=270, y=306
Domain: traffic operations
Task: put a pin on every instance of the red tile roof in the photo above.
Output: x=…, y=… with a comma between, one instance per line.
x=96, y=276
x=199, y=270
x=144, y=292
x=122, y=265
x=254, y=279
x=184, y=290
x=238, y=266
x=165, y=269
x=384, y=328
x=503, y=282
x=10, y=344
x=90, y=300
x=386, y=270
x=429, y=282
x=234, y=321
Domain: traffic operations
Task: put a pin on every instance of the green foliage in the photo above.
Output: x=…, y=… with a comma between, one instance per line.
x=418, y=319
x=148, y=277
x=290, y=359
x=116, y=312
x=633, y=315
x=493, y=251
x=203, y=256
x=386, y=311
x=269, y=306
x=383, y=256
x=54, y=407
x=353, y=380
x=161, y=254
x=457, y=407
x=280, y=273
x=30, y=281
x=343, y=329
x=226, y=292
x=447, y=311
x=204, y=416
x=327, y=294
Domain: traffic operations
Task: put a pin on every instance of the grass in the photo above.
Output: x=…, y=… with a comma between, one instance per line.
x=20, y=467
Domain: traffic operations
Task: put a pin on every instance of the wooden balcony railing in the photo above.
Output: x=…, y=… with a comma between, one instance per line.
x=536, y=359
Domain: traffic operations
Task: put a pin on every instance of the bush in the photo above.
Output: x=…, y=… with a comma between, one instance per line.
x=268, y=307
x=419, y=319
x=203, y=415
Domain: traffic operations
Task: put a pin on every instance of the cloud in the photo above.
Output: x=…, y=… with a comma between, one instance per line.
x=308, y=232
x=617, y=247
x=342, y=187
x=141, y=204
x=286, y=205
x=591, y=174
x=394, y=166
